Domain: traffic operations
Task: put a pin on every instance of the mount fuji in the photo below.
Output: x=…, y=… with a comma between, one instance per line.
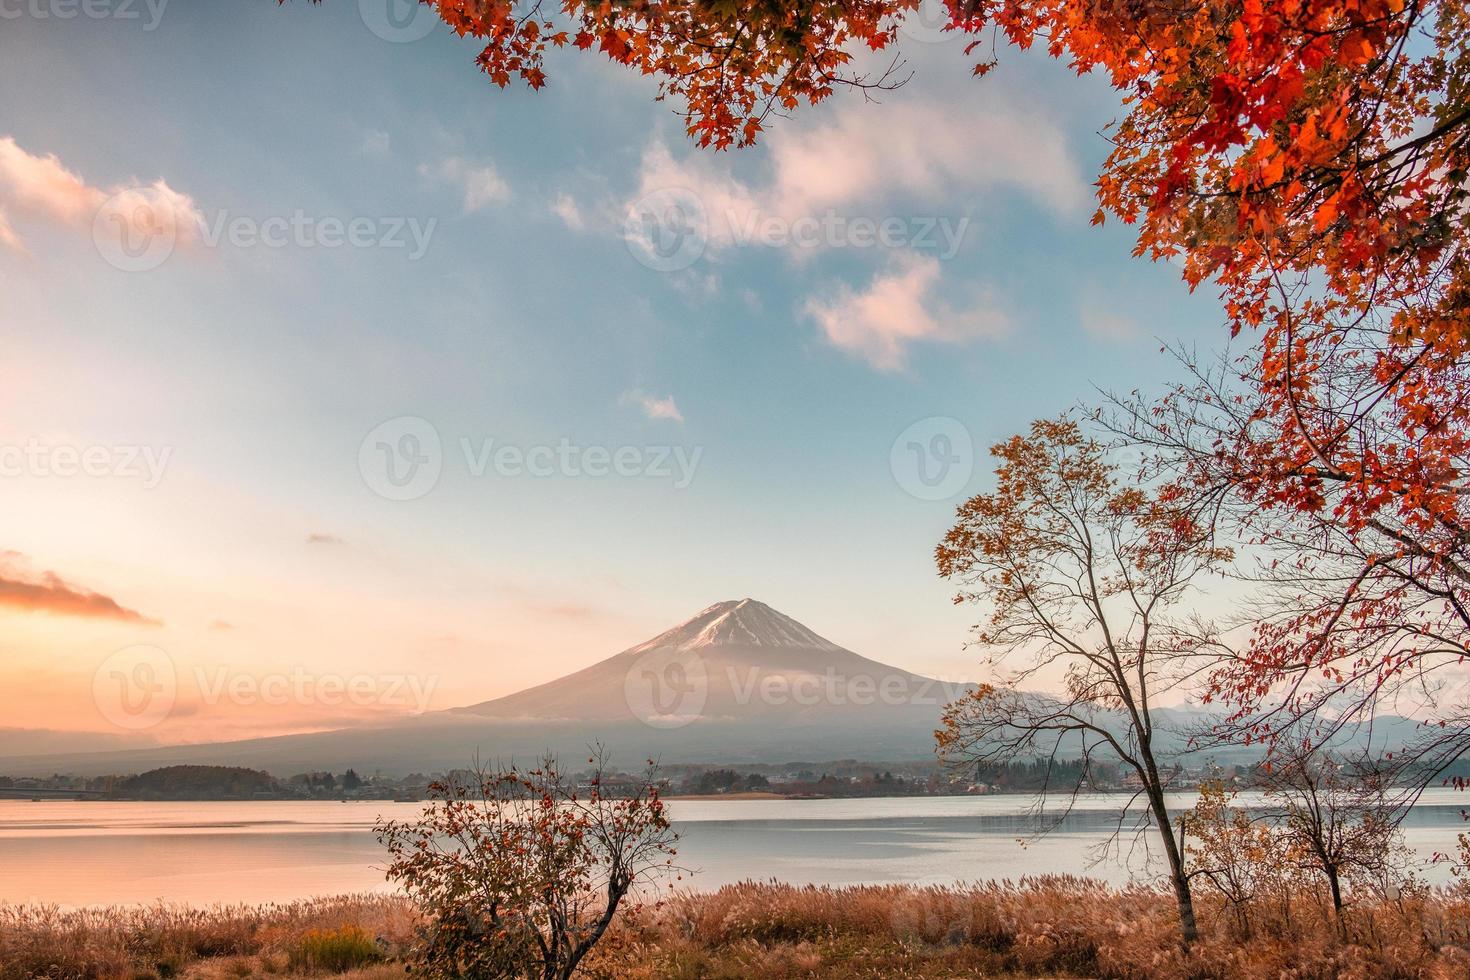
x=737, y=660
x=738, y=682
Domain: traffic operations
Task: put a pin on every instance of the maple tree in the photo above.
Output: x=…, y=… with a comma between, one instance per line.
x=1085, y=573
x=732, y=63
x=1345, y=620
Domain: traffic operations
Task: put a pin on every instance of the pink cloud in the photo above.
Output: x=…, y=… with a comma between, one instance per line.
x=877, y=162
x=47, y=592
x=42, y=188
x=896, y=310
x=481, y=184
x=653, y=406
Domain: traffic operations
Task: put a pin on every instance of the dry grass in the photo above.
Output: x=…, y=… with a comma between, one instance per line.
x=1053, y=927
x=162, y=942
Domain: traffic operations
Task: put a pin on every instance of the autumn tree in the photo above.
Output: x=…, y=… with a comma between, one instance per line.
x=1347, y=620
x=518, y=873
x=1239, y=856
x=1337, y=823
x=1087, y=576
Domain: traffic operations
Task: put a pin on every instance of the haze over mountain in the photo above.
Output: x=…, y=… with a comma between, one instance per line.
x=737, y=682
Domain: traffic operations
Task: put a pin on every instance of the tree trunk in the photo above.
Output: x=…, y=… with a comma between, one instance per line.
x=1334, y=885
x=1188, y=929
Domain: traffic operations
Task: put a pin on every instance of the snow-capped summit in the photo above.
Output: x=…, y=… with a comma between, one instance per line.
x=738, y=622
x=748, y=662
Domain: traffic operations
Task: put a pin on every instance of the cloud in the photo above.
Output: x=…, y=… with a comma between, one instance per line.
x=480, y=185
x=877, y=163
x=896, y=310
x=8, y=237
x=47, y=592
x=565, y=207
x=375, y=143
x=42, y=188
x=331, y=539
x=1114, y=327
x=221, y=626
x=652, y=406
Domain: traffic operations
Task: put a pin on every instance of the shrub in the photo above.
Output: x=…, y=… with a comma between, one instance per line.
x=518, y=874
x=334, y=950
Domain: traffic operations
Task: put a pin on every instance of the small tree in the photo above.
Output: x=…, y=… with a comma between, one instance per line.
x=520, y=874
x=1082, y=573
x=1337, y=822
x=1240, y=857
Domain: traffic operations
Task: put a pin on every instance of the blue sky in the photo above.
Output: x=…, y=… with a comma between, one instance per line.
x=529, y=319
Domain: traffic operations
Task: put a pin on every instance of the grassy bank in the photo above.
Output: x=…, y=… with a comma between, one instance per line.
x=1046, y=927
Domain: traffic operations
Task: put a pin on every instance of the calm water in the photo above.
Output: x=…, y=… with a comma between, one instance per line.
x=88, y=853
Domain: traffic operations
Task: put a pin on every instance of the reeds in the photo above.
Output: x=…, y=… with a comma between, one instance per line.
x=1050, y=926
x=165, y=941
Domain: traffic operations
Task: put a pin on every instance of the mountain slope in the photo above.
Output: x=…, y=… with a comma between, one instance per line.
x=737, y=683
x=736, y=660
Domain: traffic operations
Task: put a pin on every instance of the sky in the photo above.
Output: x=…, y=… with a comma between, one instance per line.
x=327, y=363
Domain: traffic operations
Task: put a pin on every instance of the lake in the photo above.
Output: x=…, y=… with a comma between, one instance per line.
x=91, y=853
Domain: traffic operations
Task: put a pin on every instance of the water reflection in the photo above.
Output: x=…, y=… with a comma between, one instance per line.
x=80, y=853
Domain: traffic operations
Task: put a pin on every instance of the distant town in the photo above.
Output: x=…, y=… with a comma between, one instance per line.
x=798, y=780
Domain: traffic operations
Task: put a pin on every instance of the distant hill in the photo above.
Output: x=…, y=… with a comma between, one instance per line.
x=198, y=783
